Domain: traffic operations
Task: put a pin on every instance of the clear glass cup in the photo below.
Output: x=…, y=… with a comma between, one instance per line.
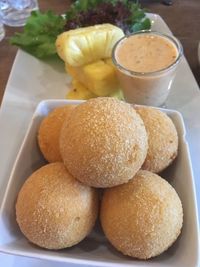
x=2, y=31
x=147, y=88
x=15, y=12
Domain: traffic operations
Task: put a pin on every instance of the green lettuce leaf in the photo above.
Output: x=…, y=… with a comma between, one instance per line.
x=40, y=33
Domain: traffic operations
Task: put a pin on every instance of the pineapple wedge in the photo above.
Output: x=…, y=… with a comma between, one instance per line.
x=109, y=62
x=88, y=44
x=79, y=91
x=99, y=77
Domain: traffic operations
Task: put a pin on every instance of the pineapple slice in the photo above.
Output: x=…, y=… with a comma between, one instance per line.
x=88, y=44
x=79, y=91
x=109, y=62
x=99, y=77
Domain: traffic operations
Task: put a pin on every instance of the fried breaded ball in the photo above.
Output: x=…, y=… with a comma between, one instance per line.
x=143, y=217
x=49, y=132
x=104, y=143
x=54, y=210
x=162, y=139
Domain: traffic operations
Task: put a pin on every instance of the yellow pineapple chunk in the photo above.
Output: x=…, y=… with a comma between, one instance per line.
x=88, y=44
x=79, y=91
x=99, y=77
x=109, y=62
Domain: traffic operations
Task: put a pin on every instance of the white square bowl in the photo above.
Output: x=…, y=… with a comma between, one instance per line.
x=95, y=249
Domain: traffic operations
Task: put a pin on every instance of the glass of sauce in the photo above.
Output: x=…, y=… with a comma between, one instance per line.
x=146, y=64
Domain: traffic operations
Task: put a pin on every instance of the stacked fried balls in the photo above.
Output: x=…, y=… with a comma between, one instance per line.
x=103, y=143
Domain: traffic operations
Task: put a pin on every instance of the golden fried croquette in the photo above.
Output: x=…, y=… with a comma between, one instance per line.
x=162, y=139
x=49, y=132
x=143, y=217
x=54, y=210
x=104, y=142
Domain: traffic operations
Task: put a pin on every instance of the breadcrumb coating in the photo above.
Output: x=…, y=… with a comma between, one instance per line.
x=104, y=143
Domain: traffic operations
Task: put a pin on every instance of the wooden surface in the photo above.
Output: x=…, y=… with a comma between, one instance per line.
x=183, y=18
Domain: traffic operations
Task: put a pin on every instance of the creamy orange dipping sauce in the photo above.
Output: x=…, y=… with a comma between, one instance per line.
x=146, y=53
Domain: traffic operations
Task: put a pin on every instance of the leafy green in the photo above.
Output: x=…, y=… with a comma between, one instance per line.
x=142, y=25
x=42, y=29
x=40, y=33
x=80, y=6
x=123, y=13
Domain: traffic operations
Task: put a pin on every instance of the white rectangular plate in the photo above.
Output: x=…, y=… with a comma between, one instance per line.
x=95, y=250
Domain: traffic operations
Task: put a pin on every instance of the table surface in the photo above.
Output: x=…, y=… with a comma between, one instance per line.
x=182, y=17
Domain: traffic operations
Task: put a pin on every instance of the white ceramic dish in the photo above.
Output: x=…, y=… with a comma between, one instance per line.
x=95, y=250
